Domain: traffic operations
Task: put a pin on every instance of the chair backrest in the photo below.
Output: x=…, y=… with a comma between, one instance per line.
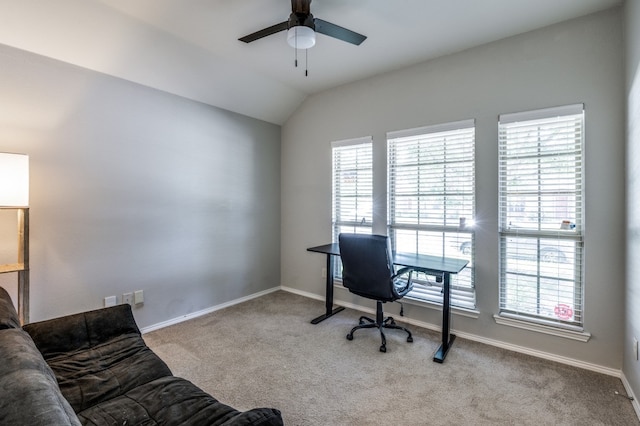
x=367, y=265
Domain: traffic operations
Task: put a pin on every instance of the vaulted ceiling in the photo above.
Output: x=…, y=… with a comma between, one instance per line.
x=190, y=47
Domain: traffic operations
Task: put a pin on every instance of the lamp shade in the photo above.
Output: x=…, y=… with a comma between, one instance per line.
x=301, y=37
x=14, y=180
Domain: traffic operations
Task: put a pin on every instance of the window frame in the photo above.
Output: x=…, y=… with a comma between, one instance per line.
x=359, y=146
x=428, y=289
x=572, y=236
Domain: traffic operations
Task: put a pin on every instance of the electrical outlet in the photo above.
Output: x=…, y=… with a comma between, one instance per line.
x=324, y=272
x=110, y=301
x=127, y=298
x=138, y=297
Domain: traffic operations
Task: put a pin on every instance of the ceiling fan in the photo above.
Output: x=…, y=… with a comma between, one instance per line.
x=302, y=26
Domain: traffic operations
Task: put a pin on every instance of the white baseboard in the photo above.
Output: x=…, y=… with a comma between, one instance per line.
x=302, y=293
x=491, y=342
x=435, y=327
x=634, y=400
x=197, y=314
x=541, y=354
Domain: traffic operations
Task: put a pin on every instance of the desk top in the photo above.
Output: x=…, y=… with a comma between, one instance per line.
x=425, y=262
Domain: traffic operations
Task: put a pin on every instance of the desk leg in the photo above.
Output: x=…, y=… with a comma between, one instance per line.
x=329, y=311
x=447, y=337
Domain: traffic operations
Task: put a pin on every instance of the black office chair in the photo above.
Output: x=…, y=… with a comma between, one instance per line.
x=368, y=271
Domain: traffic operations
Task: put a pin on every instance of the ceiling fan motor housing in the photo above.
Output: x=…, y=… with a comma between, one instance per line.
x=302, y=7
x=299, y=19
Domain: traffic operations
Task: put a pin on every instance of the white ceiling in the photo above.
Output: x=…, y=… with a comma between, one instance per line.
x=191, y=48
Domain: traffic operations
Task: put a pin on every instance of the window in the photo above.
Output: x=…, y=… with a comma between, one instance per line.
x=352, y=189
x=541, y=216
x=431, y=180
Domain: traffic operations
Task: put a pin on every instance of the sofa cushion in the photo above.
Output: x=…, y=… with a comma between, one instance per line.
x=30, y=394
x=96, y=355
x=81, y=331
x=173, y=401
x=8, y=315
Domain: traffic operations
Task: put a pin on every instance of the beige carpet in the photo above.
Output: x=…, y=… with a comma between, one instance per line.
x=266, y=353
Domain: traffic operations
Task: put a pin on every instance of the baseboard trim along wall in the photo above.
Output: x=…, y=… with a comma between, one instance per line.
x=630, y=395
x=435, y=327
x=197, y=314
x=497, y=343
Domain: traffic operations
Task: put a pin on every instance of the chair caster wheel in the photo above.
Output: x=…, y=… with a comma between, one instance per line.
x=383, y=349
x=349, y=336
x=409, y=339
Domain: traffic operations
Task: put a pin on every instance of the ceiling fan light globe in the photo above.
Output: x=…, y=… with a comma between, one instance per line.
x=301, y=37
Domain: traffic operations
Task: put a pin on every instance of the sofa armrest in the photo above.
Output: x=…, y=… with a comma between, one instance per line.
x=30, y=392
x=8, y=315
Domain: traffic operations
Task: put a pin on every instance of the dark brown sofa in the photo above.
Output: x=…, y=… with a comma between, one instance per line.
x=94, y=368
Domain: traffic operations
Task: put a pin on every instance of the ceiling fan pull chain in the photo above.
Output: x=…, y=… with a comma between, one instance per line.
x=296, y=54
x=306, y=63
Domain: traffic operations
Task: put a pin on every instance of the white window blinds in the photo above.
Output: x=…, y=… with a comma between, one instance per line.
x=431, y=178
x=541, y=215
x=352, y=186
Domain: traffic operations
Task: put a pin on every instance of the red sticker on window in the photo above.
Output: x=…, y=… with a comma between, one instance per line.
x=564, y=312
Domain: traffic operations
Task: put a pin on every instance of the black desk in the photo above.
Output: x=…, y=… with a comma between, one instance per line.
x=432, y=265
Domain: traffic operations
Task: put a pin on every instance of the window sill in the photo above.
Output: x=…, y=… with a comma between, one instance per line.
x=581, y=336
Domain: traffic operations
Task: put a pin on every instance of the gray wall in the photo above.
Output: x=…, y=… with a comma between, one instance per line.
x=133, y=188
x=575, y=61
x=631, y=368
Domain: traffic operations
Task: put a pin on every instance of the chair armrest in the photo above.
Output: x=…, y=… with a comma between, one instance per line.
x=403, y=271
x=438, y=274
x=410, y=269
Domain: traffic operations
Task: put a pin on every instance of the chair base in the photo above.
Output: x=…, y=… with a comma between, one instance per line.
x=379, y=323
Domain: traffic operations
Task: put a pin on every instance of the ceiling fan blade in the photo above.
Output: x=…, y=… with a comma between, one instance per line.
x=336, y=31
x=282, y=26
